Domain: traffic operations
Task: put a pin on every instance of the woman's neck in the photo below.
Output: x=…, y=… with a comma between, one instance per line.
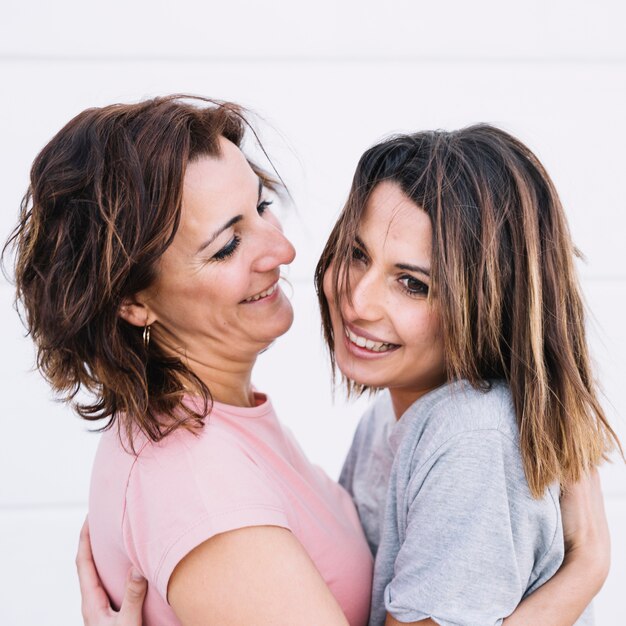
x=402, y=399
x=230, y=382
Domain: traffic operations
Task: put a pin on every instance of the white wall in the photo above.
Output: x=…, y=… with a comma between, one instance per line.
x=331, y=78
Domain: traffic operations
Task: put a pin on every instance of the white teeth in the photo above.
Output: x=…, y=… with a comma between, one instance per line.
x=263, y=294
x=362, y=342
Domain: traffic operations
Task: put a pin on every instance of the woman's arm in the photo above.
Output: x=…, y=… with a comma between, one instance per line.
x=563, y=598
x=257, y=575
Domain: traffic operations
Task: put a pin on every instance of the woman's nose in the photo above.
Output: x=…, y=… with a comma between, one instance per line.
x=367, y=296
x=275, y=250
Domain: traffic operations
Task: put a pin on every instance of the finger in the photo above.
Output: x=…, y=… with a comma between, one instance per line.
x=132, y=604
x=87, y=573
x=94, y=598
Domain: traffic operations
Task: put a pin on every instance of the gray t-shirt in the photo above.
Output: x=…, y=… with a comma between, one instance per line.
x=447, y=511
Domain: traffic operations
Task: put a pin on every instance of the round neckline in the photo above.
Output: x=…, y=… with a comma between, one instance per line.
x=259, y=410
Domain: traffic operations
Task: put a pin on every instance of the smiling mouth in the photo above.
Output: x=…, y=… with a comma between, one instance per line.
x=263, y=294
x=368, y=344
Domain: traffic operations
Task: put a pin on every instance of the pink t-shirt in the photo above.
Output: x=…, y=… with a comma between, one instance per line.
x=243, y=469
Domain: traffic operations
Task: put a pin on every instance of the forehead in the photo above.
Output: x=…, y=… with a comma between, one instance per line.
x=393, y=221
x=217, y=179
x=215, y=189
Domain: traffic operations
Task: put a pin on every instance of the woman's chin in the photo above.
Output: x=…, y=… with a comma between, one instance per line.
x=357, y=376
x=280, y=325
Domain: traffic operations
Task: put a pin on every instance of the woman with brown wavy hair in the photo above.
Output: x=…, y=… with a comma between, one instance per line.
x=449, y=281
x=147, y=267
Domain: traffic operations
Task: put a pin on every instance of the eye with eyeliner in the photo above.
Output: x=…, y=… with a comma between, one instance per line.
x=358, y=255
x=413, y=286
x=263, y=206
x=229, y=249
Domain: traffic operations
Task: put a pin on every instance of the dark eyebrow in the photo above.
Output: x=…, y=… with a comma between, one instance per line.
x=231, y=222
x=413, y=268
x=400, y=266
x=360, y=242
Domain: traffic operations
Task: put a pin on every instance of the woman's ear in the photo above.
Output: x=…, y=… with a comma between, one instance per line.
x=136, y=313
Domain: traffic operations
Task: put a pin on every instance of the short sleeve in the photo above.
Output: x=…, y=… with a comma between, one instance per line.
x=469, y=550
x=179, y=497
x=346, y=475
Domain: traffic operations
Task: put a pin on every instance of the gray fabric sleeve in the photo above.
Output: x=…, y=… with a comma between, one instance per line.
x=347, y=471
x=346, y=476
x=465, y=559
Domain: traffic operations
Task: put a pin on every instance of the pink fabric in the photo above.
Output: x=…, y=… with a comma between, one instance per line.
x=243, y=469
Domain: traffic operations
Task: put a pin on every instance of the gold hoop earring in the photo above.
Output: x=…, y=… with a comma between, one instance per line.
x=146, y=336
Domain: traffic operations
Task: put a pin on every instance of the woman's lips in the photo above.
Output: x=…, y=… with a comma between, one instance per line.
x=363, y=342
x=263, y=295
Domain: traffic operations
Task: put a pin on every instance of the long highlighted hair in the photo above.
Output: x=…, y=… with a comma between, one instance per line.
x=503, y=276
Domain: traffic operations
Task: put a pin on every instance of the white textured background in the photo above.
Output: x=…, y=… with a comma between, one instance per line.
x=330, y=78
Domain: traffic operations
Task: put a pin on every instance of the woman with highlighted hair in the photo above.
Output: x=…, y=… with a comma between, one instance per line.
x=449, y=282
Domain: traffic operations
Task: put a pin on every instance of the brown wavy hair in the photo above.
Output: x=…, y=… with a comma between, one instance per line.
x=502, y=272
x=103, y=205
